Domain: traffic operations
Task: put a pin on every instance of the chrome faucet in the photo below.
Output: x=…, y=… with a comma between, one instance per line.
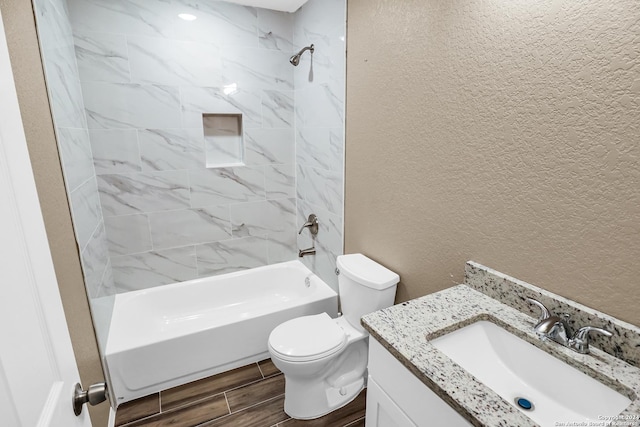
x=557, y=329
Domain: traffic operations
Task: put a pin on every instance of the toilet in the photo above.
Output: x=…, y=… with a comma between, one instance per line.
x=324, y=360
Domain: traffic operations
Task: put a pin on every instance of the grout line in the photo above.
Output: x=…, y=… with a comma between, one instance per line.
x=354, y=422
x=93, y=233
x=178, y=408
x=249, y=383
x=132, y=422
x=195, y=250
x=281, y=423
x=260, y=369
x=70, y=191
x=227, y=400
x=210, y=396
x=260, y=403
x=193, y=402
x=254, y=404
x=160, y=401
x=246, y=408
x=273, y=375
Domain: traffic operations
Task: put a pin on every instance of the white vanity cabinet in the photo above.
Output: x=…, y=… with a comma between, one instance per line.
x=397, y=398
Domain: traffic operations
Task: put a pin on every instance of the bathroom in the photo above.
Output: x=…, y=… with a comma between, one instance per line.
x=504, y=134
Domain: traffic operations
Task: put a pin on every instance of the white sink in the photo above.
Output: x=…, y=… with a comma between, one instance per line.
x=514, y=368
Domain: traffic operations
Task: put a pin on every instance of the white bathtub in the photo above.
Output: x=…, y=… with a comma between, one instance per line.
x=170, y=335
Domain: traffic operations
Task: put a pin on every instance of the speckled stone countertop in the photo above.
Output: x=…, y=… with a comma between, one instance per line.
x=406, y=329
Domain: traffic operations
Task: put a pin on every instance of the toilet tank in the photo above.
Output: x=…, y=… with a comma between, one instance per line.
x=364, y=287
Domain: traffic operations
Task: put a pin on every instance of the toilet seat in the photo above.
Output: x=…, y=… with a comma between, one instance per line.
x=307, y=338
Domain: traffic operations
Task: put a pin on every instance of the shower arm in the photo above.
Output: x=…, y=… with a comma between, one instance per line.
x=306, y=48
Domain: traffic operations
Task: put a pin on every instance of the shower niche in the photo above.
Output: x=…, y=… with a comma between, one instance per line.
x=223, y=139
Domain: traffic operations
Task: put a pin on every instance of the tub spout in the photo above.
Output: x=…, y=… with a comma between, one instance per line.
x=308, y=251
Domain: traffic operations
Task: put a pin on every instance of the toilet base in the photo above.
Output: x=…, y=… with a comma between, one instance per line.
x=342, y=379
x=314, y=404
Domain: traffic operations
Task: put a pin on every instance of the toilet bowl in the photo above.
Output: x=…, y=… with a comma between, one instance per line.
x=324, y=360
x=325, y=369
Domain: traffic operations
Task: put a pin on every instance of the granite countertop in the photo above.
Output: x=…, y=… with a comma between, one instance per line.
x=406, y=329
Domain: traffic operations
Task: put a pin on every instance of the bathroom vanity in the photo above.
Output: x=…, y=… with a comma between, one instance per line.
x=414, y=383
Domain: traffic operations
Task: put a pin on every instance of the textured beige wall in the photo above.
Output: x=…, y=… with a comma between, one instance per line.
x=36, y=116
x=505, y=132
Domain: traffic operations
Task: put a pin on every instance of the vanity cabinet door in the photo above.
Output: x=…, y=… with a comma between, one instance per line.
x=382, y=411
x=400, y=399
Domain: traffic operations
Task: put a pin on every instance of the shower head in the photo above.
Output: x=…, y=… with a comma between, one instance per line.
x=295, y=59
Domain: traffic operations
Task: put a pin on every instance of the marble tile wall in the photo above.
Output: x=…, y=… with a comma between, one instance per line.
x=147, y=77
x=319, y=83
x=65, y=94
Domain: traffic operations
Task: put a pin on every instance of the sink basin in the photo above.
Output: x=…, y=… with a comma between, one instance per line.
x=558, y=393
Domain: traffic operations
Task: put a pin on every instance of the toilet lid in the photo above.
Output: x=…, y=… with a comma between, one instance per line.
x=307, y=338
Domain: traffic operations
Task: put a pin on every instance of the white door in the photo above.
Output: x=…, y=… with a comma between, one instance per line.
x=37, y=366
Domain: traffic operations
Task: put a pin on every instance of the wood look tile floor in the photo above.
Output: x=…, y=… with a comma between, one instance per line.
x=250, y=396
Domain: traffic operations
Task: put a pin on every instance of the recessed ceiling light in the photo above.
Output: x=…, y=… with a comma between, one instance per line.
x=187, y=16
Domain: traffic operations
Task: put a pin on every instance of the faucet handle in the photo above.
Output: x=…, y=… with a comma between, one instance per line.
x=545, y=314
x=580, y=341
x=312, y=223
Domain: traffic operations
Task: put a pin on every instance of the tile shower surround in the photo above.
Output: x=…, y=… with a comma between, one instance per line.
x=67, y=106
x=147, y=77
x=319, y=110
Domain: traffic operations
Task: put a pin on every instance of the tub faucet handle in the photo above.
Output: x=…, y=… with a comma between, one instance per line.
x=312, y=223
